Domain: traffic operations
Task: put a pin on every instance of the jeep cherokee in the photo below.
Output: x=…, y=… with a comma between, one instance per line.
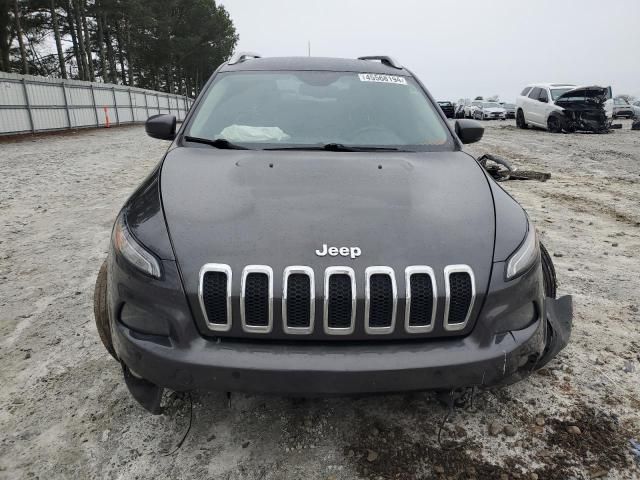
x=315, y=228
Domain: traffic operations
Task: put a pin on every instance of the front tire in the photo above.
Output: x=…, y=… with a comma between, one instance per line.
x=520, y=122
x=100, y=311
x=553, y=124
x=549, y=279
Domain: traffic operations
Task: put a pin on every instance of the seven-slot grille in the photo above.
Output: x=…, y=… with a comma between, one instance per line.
x=339, y=299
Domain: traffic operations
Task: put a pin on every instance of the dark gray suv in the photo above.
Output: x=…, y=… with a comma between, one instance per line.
x=315, y=228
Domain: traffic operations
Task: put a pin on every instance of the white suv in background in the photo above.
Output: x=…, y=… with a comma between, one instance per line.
x=469, y=110
x=545, y=105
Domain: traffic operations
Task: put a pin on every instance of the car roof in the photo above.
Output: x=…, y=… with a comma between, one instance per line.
x=314, y=63
x=552, y=85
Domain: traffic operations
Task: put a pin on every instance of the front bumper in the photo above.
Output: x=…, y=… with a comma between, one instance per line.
x=293, y=369
x=494, y=117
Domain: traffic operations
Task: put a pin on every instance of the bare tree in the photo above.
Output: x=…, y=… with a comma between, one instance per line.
x=56, y=34
x=19, y=34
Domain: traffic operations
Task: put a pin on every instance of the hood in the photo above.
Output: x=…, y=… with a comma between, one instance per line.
x=277, y=208
x=592, y=94
x=494, y=110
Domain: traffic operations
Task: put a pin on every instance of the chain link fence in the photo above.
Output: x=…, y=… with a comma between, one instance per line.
x=30, y=104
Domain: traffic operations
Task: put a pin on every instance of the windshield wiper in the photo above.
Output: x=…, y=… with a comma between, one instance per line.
x=337, y=147
x=221, y=143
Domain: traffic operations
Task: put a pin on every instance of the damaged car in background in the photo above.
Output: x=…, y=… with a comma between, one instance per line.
x=565, y=108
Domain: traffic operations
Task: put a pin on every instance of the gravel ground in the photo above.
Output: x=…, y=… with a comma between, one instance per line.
x=65, y=412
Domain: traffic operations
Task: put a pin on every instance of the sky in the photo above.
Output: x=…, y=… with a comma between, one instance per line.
x=459, y=48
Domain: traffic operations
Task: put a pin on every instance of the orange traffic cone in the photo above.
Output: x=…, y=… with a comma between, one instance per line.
x=107, y=123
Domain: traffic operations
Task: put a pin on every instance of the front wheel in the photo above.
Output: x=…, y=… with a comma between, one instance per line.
x=553, y=125
x=520, y=122
x=100, y=311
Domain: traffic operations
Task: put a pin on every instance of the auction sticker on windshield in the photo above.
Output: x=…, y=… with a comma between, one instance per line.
x=375, y=77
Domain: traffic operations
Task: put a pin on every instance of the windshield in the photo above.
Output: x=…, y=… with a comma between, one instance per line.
x=491, y=105
x=311, y=108
x=557, y=92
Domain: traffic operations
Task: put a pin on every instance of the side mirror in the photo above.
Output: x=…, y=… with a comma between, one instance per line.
x=469, y=131
x=161, y=126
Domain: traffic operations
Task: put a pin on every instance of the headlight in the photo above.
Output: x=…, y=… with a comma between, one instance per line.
x=132, y=251
x=526, y=254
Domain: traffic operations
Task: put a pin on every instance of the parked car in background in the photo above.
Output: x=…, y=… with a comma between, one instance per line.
x=447, y=108
x=510, y=110
x=622, y=108
x=471, y=108
x=459, y=110
x=489, y=111
x=636, y=109
x=561, y=107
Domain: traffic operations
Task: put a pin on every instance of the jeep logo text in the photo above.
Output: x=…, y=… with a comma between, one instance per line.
x=353, y=252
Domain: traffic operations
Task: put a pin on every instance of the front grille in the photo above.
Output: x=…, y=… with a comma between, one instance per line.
x=214, y=292
x=297, y=307
x=215, y=295
x=460, y=296
x=381, y=302
x=420, y=314
x=339, y=301
x=339, y=306
x=256, y=298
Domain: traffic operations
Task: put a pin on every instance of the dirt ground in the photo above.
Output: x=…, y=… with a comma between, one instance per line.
x=65, y=411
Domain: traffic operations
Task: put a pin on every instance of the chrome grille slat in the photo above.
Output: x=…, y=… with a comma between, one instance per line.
x=214, y=323
x=370, y=273
x=246, y=325
x=288, y=272
x=409, y=295
x=329, y=272
x=452, y=297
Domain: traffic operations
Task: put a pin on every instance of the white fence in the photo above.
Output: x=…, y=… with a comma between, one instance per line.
x=30, y=104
